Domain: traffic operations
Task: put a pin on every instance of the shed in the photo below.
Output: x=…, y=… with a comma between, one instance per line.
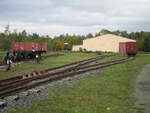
x=104, y=43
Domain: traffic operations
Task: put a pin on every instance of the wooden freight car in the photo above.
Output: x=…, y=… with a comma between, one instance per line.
x=129, y=48
x=28, y=50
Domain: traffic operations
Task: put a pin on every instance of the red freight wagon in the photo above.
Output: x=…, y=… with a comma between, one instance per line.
x=22, y=46
x=29, y=46
x=15, y=46
x=18, y=46
x=28, y=49
x=129, y=48
x=41, y=47
x=44, y=47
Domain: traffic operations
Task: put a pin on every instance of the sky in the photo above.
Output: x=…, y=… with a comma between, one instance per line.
x=55, y=17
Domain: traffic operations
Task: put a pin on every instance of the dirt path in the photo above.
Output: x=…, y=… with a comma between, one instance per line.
x=142, y=91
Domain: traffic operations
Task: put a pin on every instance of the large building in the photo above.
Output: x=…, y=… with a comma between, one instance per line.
x=104, y=43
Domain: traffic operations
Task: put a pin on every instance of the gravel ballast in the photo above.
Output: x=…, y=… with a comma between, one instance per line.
x=27, y=98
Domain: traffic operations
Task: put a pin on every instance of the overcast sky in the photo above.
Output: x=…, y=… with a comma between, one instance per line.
x=54, y=17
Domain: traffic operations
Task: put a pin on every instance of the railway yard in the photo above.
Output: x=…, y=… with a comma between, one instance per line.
x=72, y=82
x=72, y=56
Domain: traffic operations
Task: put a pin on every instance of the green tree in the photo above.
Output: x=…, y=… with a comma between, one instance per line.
x=146, y=45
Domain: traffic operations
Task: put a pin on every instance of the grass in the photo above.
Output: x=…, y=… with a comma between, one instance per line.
x=116, y=57
x=107, y=92
x=2, y=55
x=27, y=67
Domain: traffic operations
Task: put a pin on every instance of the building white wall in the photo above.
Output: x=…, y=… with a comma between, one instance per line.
x=76, y=48
x=104, y=43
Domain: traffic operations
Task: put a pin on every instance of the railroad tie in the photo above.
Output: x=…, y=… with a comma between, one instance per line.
x=35, y=73
x=31, y=74
x=25, y=76
x=42, y=72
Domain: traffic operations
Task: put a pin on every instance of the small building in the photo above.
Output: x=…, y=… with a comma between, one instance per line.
x=104, y=43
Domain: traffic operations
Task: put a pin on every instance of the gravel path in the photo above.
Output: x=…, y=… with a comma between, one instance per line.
x=142, y=91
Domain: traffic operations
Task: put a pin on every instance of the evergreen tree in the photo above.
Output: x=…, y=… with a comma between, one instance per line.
x=146, y=45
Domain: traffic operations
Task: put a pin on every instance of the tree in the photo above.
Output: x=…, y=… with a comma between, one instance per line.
x=58, y=45
x=105, y=31
x=146, y=45
x=7, y=31
x=89, y=35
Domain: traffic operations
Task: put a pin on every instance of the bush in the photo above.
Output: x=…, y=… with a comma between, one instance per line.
x=80, y=49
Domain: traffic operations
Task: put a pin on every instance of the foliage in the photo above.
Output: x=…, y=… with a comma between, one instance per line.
x=80, y=49
x=71, y=40
x=57, y=43
x=146, y=45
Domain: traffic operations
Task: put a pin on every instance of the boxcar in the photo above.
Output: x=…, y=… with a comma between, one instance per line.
x=129, y=48
x=28, y=50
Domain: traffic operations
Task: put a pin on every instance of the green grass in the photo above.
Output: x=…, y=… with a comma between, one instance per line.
x=107, y=92
x=2, y=55
x=30, y=66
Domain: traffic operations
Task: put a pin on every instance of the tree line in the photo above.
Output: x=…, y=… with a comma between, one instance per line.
x=66, y=41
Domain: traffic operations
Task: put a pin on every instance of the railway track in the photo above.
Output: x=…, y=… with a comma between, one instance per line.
x=56, y=69
x=14, y=85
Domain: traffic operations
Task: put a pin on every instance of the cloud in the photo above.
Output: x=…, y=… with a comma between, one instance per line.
x=75, y=16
